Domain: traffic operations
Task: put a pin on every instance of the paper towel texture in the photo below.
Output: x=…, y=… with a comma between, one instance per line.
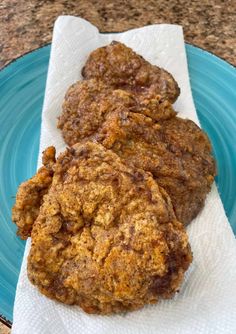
x=207, y=300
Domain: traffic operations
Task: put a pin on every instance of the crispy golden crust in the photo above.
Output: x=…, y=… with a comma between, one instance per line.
x=120, y=67
x=88, y=102
x=106, y=237
x=177, y=152
x=30, y=195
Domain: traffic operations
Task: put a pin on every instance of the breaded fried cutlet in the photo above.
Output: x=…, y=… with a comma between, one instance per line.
x=121, y=68
x=176, y=151
x=106, y=236
x=87, y=103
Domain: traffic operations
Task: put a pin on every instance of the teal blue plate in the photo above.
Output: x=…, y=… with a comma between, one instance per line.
x=22, y=85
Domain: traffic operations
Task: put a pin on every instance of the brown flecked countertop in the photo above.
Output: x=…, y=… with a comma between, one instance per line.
x=27, y=24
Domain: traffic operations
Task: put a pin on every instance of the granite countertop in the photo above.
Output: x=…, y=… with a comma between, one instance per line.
x=27, y=24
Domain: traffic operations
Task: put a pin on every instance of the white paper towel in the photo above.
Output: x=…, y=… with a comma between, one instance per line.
x=207, y=301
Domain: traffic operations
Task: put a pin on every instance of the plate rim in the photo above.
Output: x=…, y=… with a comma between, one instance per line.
x=14, y=61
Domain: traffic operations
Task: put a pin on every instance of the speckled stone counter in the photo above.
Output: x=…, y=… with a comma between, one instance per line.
x=27, y=24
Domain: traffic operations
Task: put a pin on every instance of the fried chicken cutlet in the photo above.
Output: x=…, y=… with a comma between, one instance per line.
x=176, y=151
x=87, y=103
x=106, y=236
x=120, y=67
